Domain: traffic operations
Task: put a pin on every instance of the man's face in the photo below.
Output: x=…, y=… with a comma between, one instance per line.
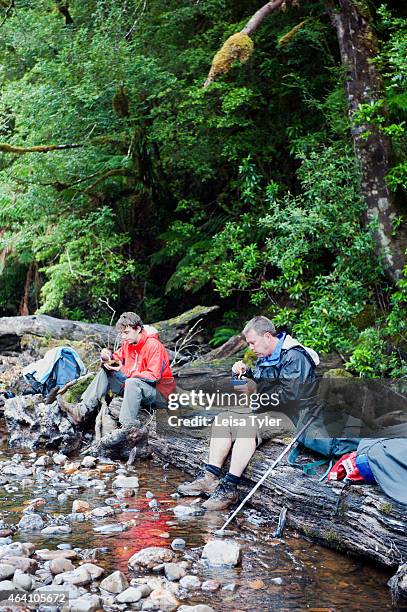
x=261, y=345
x=131, y=335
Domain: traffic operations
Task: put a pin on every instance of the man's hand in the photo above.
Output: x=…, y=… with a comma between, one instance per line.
x=239, y=368
x=105, y=354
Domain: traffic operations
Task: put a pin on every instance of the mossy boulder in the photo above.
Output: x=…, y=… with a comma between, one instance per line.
x=337, y=373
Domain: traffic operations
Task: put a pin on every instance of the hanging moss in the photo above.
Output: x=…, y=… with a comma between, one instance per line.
x=290, y=35
x=237, y=47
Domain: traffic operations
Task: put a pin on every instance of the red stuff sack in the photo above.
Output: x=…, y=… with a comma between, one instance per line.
x=345, y=467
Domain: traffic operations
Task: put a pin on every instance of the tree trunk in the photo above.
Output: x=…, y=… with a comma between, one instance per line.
x=358, y=47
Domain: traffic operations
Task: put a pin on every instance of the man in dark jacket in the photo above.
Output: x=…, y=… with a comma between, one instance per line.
x=283, y=368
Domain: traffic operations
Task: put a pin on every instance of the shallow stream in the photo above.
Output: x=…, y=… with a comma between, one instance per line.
x=286, y=574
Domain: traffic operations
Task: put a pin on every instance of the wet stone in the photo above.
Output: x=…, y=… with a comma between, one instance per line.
x=184, y=511
x=86, y=603
x=150, y=557
x=115, y=583
x=222, y=552
x=6, y=571
x=197, y=608
x=56, y=530
x=79, y=505
x=161, y=599
x=102, y=512
x=190, y=582
x=130, y=595
x=174, y=571
x=22, y=580
x=178, y=544
x=210, y=585
x=60, y=565
x=126, y=482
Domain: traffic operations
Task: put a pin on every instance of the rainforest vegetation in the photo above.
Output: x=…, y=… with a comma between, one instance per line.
x=125, y=181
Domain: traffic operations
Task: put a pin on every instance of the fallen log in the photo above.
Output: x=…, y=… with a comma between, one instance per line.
x=13, y=328
x=359, y=519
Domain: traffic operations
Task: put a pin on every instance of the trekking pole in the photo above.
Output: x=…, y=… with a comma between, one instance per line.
x=270, y=469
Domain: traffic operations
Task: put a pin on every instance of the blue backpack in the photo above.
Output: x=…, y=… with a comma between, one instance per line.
x=58, y=367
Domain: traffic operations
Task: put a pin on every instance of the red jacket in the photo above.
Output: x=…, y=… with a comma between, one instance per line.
x=147, y=360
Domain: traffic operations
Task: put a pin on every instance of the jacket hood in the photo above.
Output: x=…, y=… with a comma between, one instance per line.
x=150, y=331
x=290, y=342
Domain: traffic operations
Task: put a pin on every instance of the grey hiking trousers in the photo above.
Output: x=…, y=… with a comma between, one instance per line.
x=135, y=393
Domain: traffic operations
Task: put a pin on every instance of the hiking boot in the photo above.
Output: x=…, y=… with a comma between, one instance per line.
x=75, y=412
x=205, y=482
x=224, y=496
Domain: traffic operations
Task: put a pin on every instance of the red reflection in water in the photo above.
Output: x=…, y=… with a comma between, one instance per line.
x=151, y=529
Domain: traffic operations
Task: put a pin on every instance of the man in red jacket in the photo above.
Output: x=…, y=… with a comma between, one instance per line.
x=139, y=371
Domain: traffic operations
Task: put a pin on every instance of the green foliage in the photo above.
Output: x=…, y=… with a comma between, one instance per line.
x=222, y=335
x=244, y=193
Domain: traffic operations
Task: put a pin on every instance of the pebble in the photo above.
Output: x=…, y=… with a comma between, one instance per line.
x=86, y=603
x=126, y=482
x=222, y=552
x=115, y=583
x=210, y=585
x=197, y=608
x=130, y=595
x=149, y=495
x=31, y=522
x=231, y=587
x=78, y=505
x=150, y=557
x=6, y=571
x=60, y=565
x=174, y=571
x=184, y=511
x=56, y=530
x=62, y=498
x=161, y=599
x=102, y=512
x=178, y=544
x=190, y=582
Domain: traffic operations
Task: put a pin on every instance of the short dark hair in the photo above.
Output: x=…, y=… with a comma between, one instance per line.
x=129, y=319
x=261, y=325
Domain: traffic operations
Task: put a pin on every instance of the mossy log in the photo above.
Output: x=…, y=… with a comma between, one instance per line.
x=13, y=328
x=365, y=522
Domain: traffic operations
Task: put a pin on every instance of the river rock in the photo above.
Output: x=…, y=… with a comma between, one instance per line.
x=22, y=580
x=210, y=585
x=115, y=583
x=150, y=557
x=94, y=570
x=190, y=582
x=6, y=571
x=17, y=549
x=59, y=459
x=130, y=595
x=178, y=544
x=88, y=462
x=31, y=522
x=102, y=511
x=6, y=585
x=78, y=505
x=23, y=563
x=222, y=552
x=47, y=555
x=17, y=470
x=86, y=603
x=161, y=599
x=197, y=608
x=174, y=571
x=42, y=461
x=56, y=530
x=32, y=424
x=60, y=565
x=184, y=511
x=126, y=482
x=79, y=577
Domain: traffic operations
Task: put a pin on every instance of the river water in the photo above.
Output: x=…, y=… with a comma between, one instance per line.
x=275, y=574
